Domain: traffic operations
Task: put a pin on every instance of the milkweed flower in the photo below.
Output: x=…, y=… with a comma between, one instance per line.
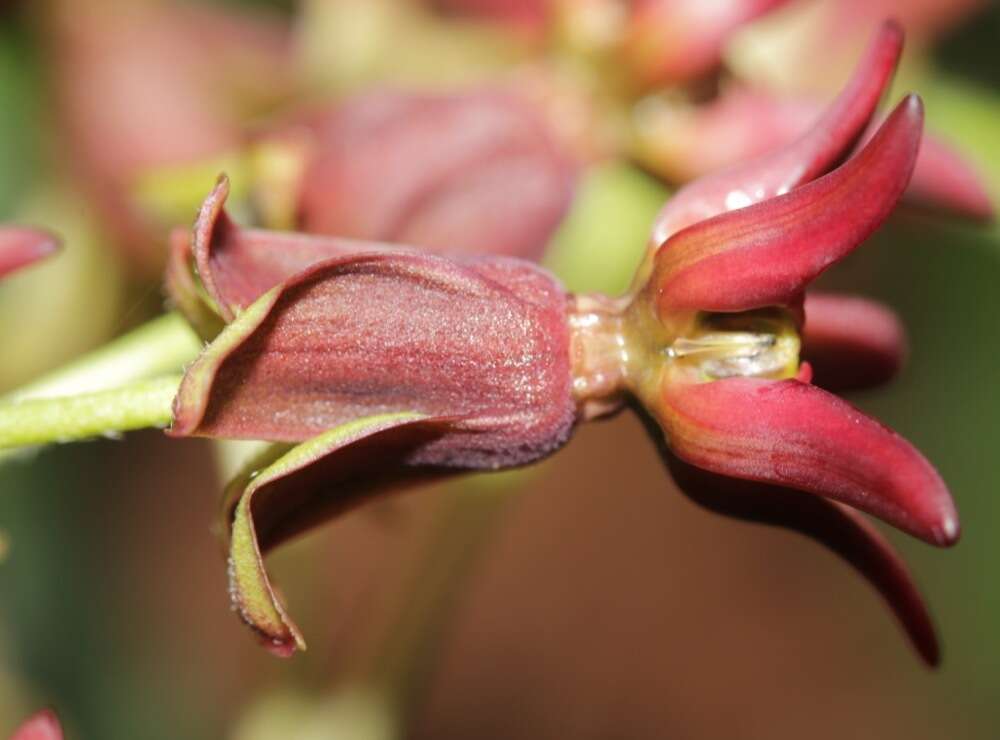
x=375, y=367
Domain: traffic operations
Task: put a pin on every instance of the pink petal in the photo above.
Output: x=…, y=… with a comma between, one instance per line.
x=851, y=342
x=673, y=41
x=43, y=725
x=767, y=253
x=486, y=340
x=839, y=528
x=473, y=173
x=816, y=152
x=796, y=435
x=21, y=246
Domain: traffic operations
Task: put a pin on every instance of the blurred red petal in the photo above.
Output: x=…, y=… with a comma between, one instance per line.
x=767, y=253
x=43, y=725
x=820, y=149
x=799, y=436
x=839, y=528
x=672, y=41
x=367, y=334
x=945, y=181
x=476, y=172
x=851, y=342
x=21, y=246
x=531, y=15
x=685, y=142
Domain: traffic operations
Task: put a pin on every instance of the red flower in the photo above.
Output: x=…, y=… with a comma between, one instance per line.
x=387, y=366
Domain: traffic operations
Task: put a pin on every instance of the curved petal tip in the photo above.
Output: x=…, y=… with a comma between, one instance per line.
x=798, y=436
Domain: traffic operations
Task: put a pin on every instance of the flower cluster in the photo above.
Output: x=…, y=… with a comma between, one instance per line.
x=377, y=366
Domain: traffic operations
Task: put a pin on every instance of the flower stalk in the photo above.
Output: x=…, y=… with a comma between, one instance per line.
x=138, y=405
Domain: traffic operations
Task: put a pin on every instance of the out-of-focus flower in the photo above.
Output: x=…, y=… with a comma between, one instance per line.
x=658, y=41
x=472, y=171
x=378, y=367
x=43, y=725
x=145, y=85
x=682, y=142
x=667, y=48
x=20, y=246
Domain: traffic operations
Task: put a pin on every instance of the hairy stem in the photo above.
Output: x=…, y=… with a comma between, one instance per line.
x=34, y=421
x=163, y=345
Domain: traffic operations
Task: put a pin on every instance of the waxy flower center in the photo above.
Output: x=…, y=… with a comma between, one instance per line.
x=619, y=347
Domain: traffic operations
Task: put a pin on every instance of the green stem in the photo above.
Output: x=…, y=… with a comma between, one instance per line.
x=145, y=403
x=163, y=345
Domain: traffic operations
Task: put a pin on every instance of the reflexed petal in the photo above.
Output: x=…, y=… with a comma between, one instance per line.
x=796, y=435
x=851, y=342
x=20, y=246
x=43, y=725
x=238, y=265
x=471, y=173
x=183, y=290
x=305, y=486
x=675, y=40
x=816, y=152
x=486, y=341
x=839, y=528
x=767, y=253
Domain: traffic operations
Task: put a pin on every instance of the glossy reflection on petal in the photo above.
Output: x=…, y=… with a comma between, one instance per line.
x=767, y=253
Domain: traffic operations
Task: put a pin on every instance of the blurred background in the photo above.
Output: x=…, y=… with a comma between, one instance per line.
x=584, y=597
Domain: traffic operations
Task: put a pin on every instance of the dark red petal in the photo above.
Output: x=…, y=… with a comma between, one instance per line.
x=43, y=725
x=21, y=246
x=851, y=342
x=286, y=493
x=470, y=173
x=944, y=181
x=486, y=340
x=238, y=265
x=820, y=149
x=796, y=435
x=839, y=528
x=673, y=41
x=766, y=254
